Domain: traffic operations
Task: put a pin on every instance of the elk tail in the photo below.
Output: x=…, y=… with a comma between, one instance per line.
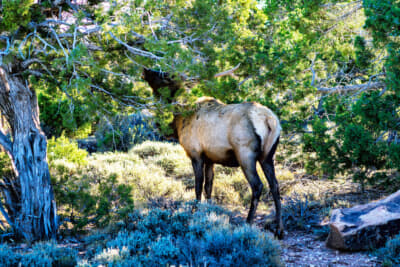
x=273, y=136
x=267, y=127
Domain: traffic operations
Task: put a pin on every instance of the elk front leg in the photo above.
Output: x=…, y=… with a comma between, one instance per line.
x=209, y=171
x=198, y=168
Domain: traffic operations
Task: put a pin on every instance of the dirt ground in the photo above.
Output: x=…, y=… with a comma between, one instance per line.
x=301, y=249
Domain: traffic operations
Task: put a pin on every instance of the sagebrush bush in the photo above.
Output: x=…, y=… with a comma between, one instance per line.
x=104, y=189
x=123, y=131
x=390, y=254
x=42, y=255
x=182, y=237
x=8, y=257
x=302, y=212
x=151, y=149
x=86, y=196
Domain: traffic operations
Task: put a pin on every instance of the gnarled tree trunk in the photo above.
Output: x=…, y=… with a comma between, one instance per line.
x=35, y=216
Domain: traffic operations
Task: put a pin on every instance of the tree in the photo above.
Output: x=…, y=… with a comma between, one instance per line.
x=40, y=53
x=92, y=54
x=84, y=59
x=355, y=126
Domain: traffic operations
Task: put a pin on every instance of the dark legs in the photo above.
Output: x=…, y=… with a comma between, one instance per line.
x=203, y=170
x=209, y=172
x=268, y=168
x=269, y=171
x=248, y=164
x=198, y=168
x=204, y=175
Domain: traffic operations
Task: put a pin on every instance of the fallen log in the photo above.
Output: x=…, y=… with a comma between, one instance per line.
x=366, y=226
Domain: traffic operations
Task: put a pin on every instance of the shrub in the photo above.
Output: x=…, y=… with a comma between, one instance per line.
x=151, y=149
x=390, y=254
x=7, y=256
x=57, y=117
x=42, y=255
x=123, y=131
x=182, y=237
x=302, y=213
x=90, y=198
x=63, y=148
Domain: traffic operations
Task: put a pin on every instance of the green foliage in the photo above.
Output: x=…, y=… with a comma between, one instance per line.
x=390, y=254
x=62, y=116
x=5, y=165
x=357, y=141
x=181, y=237
x=358, y=133
x=319, y=141
x=90, y=199
x=15, y=13
x=65, y=149
x=363, y=54
x=382, y=19
x=42, y=255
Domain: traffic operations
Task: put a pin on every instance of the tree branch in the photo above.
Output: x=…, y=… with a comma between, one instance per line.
x=133, y=50
x=228, y=72
x=7, y=49
x=346, y=15
x=350, y=88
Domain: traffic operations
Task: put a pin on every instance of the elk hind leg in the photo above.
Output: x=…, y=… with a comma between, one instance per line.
x=267, y=165
x=248, y=162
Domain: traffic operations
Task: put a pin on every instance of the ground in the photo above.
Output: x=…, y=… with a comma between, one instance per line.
x=161, y=177
x=302, y=249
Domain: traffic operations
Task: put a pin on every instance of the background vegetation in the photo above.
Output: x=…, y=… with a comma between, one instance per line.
x=329, y=69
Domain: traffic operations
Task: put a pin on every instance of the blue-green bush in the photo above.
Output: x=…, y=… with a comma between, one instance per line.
x=42, y=255
x=305, y=213
x=390, y=254
x=191, y=236
x=123, y=131
x=8, y=257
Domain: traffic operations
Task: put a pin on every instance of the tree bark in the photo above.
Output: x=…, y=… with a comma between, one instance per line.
x=36, y=215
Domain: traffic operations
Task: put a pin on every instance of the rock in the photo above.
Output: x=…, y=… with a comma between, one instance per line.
x=366, y=226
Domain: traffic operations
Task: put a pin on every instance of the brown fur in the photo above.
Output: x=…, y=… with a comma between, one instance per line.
x=232, y=135
x=214, y=130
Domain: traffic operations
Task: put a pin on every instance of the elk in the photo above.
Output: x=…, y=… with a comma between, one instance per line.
x=231, y=135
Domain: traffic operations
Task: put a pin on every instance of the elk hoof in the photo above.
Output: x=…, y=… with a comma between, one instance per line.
x=279, y=233
x=195, y=205
x=273, y=227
